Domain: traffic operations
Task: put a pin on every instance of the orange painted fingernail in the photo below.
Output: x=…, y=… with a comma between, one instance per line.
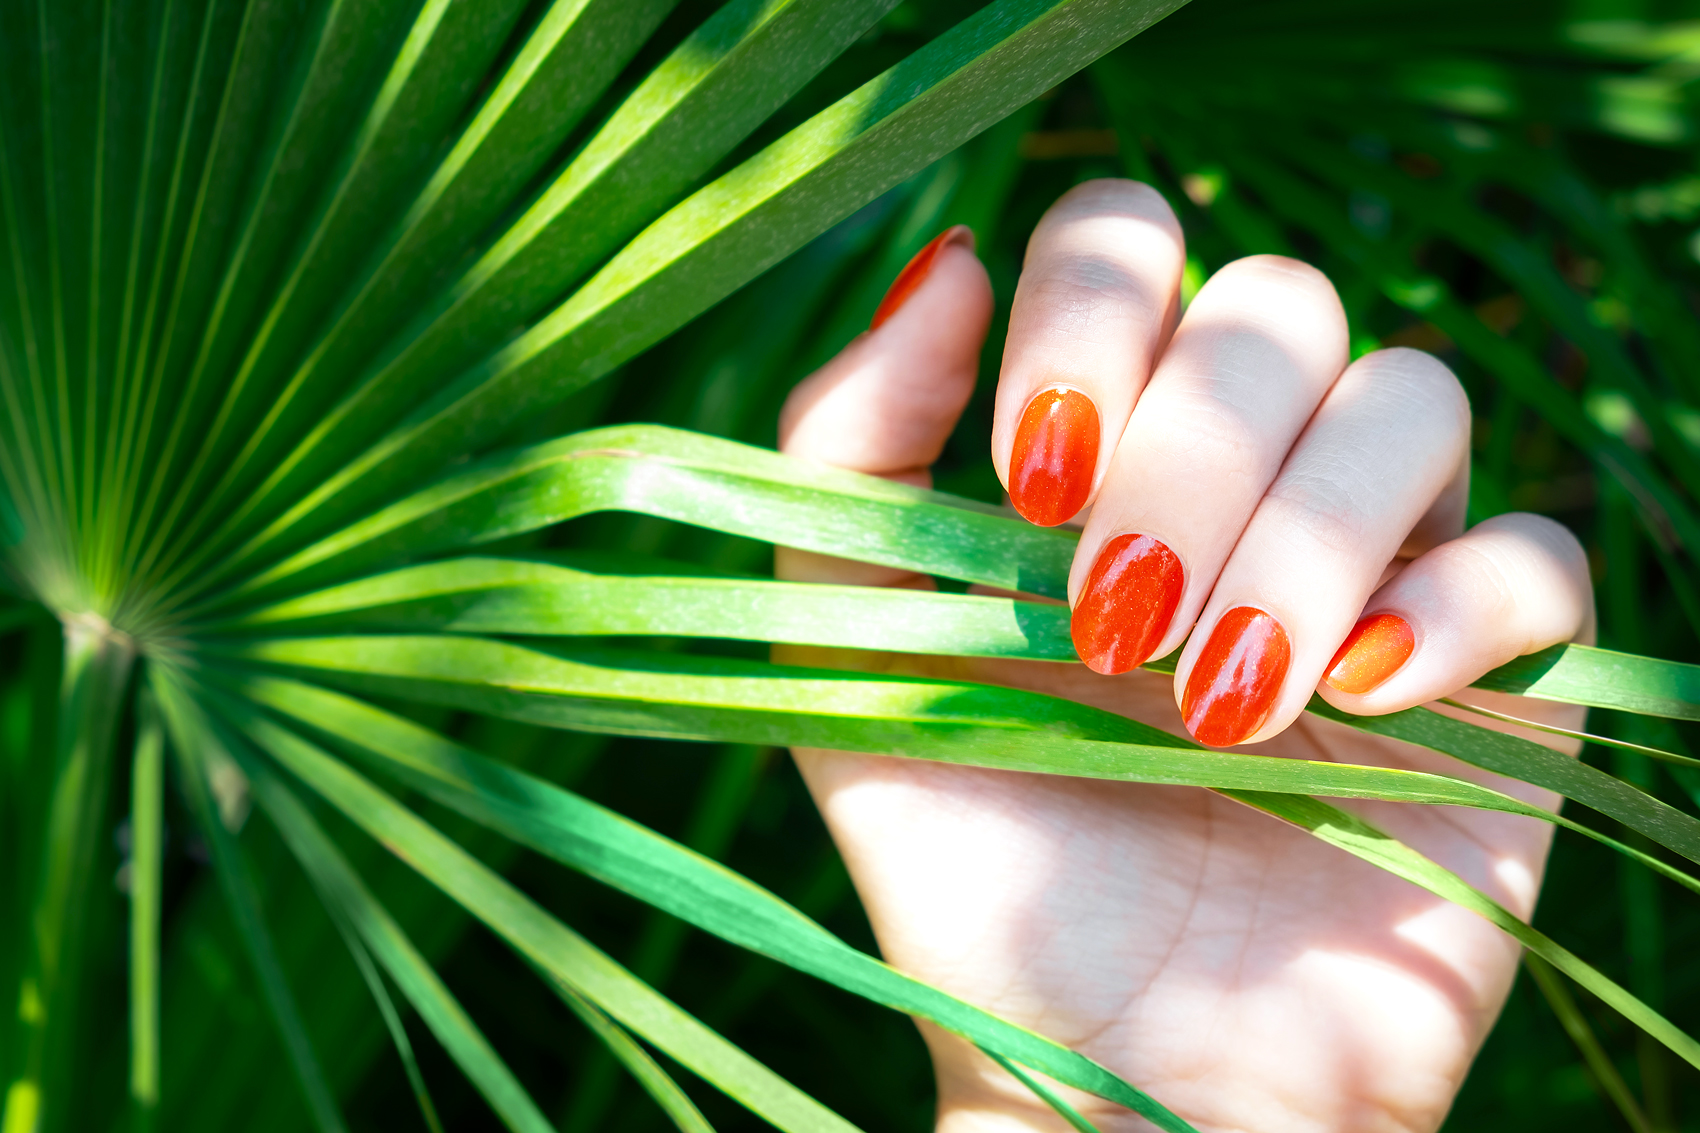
x=1375, y=649
x=914, y=272
x=1234, y=684
x=1056, y=451
x=1127, y=603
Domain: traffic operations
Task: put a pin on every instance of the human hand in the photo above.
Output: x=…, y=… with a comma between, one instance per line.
x=1243, y=484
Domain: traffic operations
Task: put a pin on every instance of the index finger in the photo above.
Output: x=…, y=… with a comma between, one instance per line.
x=1099, y=291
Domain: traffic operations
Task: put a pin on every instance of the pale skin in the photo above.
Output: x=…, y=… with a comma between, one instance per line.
x=1248, y=976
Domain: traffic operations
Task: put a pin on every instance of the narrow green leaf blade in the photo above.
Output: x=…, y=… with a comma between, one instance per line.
x=727, y=233
x=703, y=480
x=147, y=845
x=536, y=597
x=757, y=493
x=350, y=901
x=710, y=698
x=627, y=692
x=698, y=103
x=656, y=1083
x=618, y=852
x=1603, y=678
x=432, y=73
x=195, y=746
x=561, y=954
x=570, y=57
x=392, y=1023
x=1044, y=1093
x=1575, y=1024
x=1533, y=763
x=92, y=694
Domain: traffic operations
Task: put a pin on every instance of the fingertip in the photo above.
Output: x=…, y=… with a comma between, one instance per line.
x=1510, y=586
x=1235, y=681
x=1378, y=647
x=916, y=271
x=1116, y=196
x=888, y=401
x=1055, y=456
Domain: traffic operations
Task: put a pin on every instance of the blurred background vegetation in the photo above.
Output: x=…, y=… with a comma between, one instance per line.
x=1513, y=186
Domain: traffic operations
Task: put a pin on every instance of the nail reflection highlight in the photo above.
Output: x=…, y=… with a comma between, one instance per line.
x=1233, y=687
x=1127, y=603
x=1055, y=454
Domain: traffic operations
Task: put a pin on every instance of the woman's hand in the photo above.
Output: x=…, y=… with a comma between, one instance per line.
x=1302, y=520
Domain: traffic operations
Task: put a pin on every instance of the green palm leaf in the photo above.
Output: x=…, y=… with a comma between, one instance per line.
x=291, y=295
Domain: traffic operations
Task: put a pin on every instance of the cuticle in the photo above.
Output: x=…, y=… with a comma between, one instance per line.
x=1416, y=635
x=1070, y=387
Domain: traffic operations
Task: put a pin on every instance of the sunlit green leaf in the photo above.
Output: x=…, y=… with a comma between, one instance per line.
x=646, y=1070
x=538, y=597
x=701, y=480
x=700, y=698
x=147, y=844
x=289, y=296
x=723, y=235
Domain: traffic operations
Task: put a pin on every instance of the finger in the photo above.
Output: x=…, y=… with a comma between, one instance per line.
x=1445, y=520
x=1258, y=349
x=1512, y=585
x=1377, y=454
x=1098, y=291
x=888, y=402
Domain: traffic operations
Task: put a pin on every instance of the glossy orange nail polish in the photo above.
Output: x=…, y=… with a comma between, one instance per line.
x=1375, y=649
x=1056, y=451
x=1234, y=684
x=1127, y=603
x=914, y=272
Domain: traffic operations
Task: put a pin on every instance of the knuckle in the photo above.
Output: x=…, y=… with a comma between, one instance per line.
x=1205, y=433
x=1540, y=542
x=1422, y=380
x=1410, y=403
x=1532, y=578
x=1286, y=273
x=1114, y=196
x=1285, y=300
x=1082, y=291
x=1318, y=509
x=1484, y=575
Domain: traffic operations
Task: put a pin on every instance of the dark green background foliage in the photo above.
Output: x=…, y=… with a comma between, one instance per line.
x=1513, y=186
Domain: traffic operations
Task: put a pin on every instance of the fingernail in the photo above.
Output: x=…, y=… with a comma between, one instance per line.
x=1234, y=684
x=1375, y=649
x=1056, y=451
x=1127, y=603
x=914, y=272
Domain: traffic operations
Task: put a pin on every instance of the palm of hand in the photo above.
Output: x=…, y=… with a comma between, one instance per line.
x=1247, y=975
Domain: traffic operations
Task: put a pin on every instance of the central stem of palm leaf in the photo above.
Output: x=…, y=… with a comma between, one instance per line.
x=98, y=663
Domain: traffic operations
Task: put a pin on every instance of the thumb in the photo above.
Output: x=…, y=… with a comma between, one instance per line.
x=887, y=403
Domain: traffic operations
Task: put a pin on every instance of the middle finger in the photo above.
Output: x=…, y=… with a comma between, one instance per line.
x=1258, y=349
